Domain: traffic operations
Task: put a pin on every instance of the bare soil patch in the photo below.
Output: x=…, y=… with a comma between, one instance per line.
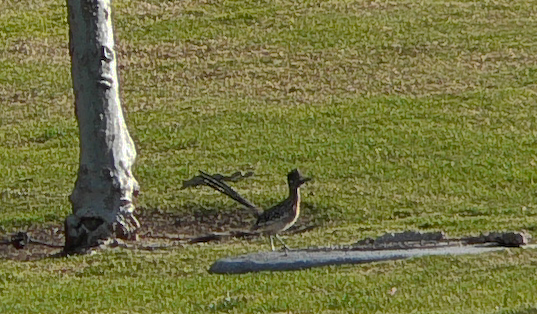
x=159, y=228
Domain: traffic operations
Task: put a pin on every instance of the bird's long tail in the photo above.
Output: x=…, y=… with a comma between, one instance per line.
x=223, y=188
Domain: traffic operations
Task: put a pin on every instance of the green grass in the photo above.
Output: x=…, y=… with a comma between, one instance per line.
x=409, y=115
x=177, y=282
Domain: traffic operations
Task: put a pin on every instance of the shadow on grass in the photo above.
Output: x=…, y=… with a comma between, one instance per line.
x=195, y=220
x=158, y=225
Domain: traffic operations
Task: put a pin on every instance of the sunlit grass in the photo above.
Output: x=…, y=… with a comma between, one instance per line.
x=409, y=115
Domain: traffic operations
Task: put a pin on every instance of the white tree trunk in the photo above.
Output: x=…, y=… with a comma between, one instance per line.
x=103, y=195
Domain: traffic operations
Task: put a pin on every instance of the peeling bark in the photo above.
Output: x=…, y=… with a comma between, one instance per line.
x=105, y=188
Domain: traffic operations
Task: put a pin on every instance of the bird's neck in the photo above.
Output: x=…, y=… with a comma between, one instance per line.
x=296, y=203
x=294, y=193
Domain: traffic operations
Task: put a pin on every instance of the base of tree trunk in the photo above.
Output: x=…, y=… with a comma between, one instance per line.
x=85, y=232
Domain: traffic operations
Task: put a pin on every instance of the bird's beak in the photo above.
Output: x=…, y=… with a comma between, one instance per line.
x=304, y=180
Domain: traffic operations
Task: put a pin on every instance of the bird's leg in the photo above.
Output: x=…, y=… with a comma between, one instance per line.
x=272, y=243
x=284, y=245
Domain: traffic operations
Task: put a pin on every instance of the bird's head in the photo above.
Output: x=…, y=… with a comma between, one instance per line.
x=295, y=178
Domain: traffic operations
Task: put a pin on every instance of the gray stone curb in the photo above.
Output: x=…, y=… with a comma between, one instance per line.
x=302, y=259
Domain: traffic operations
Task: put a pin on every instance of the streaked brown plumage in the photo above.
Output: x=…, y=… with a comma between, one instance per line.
x=276, y=219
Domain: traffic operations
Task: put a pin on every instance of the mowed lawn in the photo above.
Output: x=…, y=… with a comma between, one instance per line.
x=410, y=115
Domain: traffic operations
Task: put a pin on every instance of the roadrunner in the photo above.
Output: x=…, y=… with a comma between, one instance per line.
x=274, y=220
